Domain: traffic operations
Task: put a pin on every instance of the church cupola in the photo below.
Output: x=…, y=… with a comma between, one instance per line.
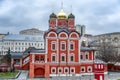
x=71, y=16
x=53, y=15
x=52, y=21
x=62, y=18
x=71, y=20
x=62, y=15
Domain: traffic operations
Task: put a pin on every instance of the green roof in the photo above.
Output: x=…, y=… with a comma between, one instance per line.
x=71, y=16
x=53, y=15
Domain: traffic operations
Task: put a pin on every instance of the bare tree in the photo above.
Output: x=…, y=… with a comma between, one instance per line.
x=108, y=53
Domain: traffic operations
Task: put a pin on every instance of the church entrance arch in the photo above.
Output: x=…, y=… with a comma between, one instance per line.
x=39, y=72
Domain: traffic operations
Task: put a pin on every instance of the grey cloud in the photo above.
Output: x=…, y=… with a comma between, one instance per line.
x=22, y=14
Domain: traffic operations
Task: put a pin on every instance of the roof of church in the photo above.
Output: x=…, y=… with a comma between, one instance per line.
x=17, y=55
x=62, y=29
x=38, y=51
x=99, y=61
x=85, y=48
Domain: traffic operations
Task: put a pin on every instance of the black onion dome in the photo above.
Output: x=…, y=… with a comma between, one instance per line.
x=71, y=16
x=53, y=15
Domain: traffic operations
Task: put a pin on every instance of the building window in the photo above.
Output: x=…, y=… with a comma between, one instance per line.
x=81, y=57
x=66, y=70
x=42, y=58
x=53, y=70
x=72, y=57
x=86, y=55
x=59, y=70
x=63, y=58
x=72, y=70
x=63, y=46
x=71, y=46
x=36, y=58
x=53, y=57
x=89, y=69
x=53, y=46
x=82, y=69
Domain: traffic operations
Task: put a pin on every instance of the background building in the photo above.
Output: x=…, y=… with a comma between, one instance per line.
x=110, y=38
x=32, y=31
x=2, y=35
x=19, y=43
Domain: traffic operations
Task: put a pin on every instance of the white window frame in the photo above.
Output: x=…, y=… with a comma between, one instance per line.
x=71, y=69
x=63, y=42
x=83, y=67
x=72, y=54
x=67, y=70
x=73, y=45
x=90, y=68
x=87, y=53
x=82, y=57
x=53, y=42
x=61, y=70
x=63, y=54
x=53, y=54
x=52, y=70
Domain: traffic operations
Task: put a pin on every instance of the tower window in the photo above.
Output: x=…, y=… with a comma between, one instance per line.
x=53, y=46
x=86, y=56
x=63, y=57
x=72, y=46
x=72, y=57
x=63, y=46
x=81, y=57
x=53, y=58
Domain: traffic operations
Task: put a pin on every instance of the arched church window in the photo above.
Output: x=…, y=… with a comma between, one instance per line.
x=37, y=58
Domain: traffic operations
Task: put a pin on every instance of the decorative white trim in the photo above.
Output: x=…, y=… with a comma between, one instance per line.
x=63, y=37
x=89, y=67
x=53, y=42
x=61, y=70
x=87, y=53
x=68, y=51
x=33, y=58
x=73, y=43
x=72, y=54
x=62, y=42
x=53, y=54
x=52, y=70
x=67, y=70
x=82, y=67
x=73, y=33
x=57, y=47
x=72, y=68
x=52, y=33
x=63, y=54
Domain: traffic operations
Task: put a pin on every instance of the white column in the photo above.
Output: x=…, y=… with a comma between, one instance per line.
x=46, y=58
x=33, y=58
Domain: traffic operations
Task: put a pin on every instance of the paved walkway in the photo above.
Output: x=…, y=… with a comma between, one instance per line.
x=24, y=76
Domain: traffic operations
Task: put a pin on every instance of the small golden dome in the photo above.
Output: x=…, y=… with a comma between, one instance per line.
x=62, y=15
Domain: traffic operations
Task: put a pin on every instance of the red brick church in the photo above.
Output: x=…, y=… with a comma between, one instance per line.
x=64, y=54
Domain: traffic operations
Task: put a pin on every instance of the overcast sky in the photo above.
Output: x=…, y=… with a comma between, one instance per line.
x=99, y=16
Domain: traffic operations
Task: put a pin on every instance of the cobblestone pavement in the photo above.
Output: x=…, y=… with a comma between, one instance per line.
x=110, y=76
